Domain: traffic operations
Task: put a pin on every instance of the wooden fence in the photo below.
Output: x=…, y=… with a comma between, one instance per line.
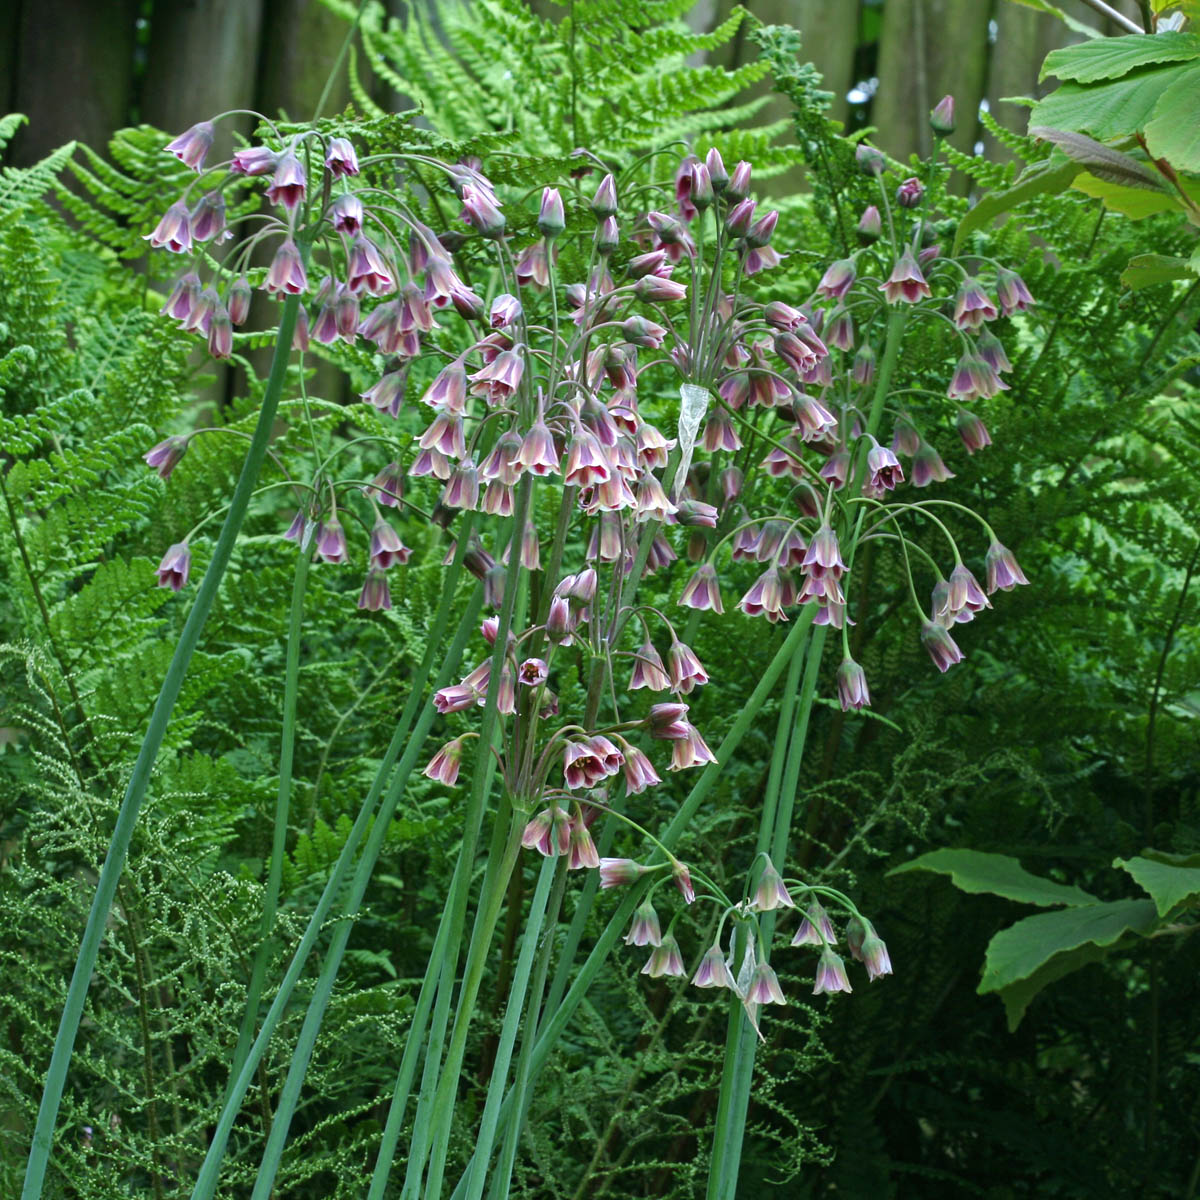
x=82, y=68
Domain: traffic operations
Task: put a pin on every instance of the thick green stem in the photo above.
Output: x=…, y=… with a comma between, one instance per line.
x=207, y=1180
x=502, y=1176
x=456, y=906
x=741, y=1042
x=287, y=748
x=561, y=1016
x=139, y=780
x=508, y=1032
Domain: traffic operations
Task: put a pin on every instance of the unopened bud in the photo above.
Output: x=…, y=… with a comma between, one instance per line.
x=941, y=120
x=870, y=161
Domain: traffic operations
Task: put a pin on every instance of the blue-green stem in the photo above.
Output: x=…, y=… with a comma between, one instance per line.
x=512, y=1133
x=290, y=1093
x=287, y=747
x=139, y=780
x=206, y=1182
x=741, y=1043
x=508, y=1033
x=559, y=1014
x=455, y=912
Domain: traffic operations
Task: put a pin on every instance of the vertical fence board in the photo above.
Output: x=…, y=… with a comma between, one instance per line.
x=928, y=48
x=203, y=60
x=74, y=73
x=829, y=35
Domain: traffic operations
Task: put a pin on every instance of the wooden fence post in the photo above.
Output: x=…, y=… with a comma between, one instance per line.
x=73, y=73
x=929, y=48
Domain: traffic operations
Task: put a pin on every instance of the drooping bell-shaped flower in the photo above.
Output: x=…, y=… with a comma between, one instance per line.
x=192, y=146
x=176, y=564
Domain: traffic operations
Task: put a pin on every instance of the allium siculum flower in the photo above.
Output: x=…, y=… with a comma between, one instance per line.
x=838, y=279
x=192, y=147
x=288, y=185
x=386, y=548
x=645, y=930
x=286, y=275
x=331, y=542
x=831, y=974
x=690, y=751
x=927, y=467
x=444, y=765
x=175, y=566
x=617, y=872
x=972, y=307
x=906, y=283
x=764, y=987
x=665, y=960
x=702, y=591
x=341, y=159
x=165, y=457
x=532, y=672
x=884, y=467
x=208, y=217
x=685, y=669
x=909, y=193
x=173, y=231
x=972, y=430
x=376, y=596
x=771, y=892
x=1014, y=295
x=713, y=971
x=941, y=646
x=852, y=686
x=1003, y=573
x=549, y=833
x=815, y=929
x=867, y=947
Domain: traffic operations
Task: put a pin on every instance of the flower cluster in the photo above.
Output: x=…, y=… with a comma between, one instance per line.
x=743, y=968
x=544, y=383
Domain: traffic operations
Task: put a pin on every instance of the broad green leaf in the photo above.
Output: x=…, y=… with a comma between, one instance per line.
x=1146, y=270
x=1134, y=202
x=975, y=871
x=1044, y=178
x=1015, y=953
x=1107, y=110
x=1110, y=57
x=1044, y=6
x=1169, y=884
x=1173, y=132
x=1017, y=996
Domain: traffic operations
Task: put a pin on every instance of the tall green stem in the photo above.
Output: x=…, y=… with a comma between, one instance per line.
x=456, y=906
x=560, y=1016
x=508, y=1033
x=287, y=748
x=207, y=1180
x=139, y=780
x=741, y=1043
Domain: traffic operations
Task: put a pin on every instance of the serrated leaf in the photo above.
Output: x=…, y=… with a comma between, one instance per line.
x=978, y=872
x=1111, y=57
x=1019, y=951
x=1106, y=110
x=1147, y=270
x=1168, y=884
x=1174, y=131
x=1046, y=178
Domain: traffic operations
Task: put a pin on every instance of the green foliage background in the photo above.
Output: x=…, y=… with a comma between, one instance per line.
x=1066, y=739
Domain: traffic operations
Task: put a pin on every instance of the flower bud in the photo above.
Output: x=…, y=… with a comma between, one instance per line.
x=604, y=202
x=909, y=193
x=551, y=218
x=175, y=566
x=738, y=187
x=941, y=119
x=870, y=225
x=608, y=236
x=716, y=170
x=239, y=300
x=759, y=234
x=870, y=161
x=737, y=222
